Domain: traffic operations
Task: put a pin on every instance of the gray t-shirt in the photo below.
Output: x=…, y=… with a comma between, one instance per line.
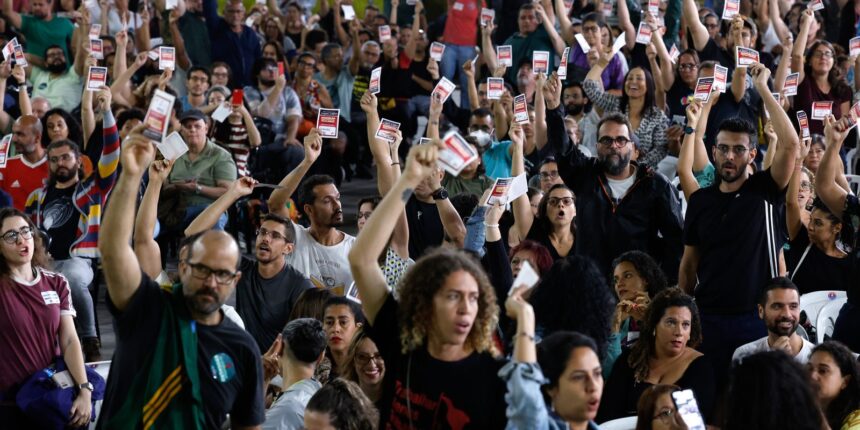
x=288, y=412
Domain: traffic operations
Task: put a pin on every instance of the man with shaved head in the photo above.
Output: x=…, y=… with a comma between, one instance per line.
x=174, y=348
x=28, y=170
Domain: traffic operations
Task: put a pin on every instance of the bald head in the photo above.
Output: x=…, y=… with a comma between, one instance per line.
x=30, y=122
x=215, y=242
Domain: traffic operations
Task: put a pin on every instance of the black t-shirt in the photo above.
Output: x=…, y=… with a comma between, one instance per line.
x=818, y=271
x=465, y=394
x=219, y=347
x=425, y=227
x=359, y=86
x=738, y=238
x=265, y=304
x=60, y=218
x=677, y=99
x=419, y=69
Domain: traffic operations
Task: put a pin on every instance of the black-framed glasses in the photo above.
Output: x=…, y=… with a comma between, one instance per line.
x=688, y=66
x=273, y=234
x=363, y=359
x=64, y=158
x=610, y=141
x=365, y=215
x=558, y=201
x=737, y=149
x=202, y=271
x=551, y=174
x=11, y=237
x=306, y=64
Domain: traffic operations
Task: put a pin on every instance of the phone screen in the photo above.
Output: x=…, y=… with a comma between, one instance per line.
x=238, y=95
x=688, y=408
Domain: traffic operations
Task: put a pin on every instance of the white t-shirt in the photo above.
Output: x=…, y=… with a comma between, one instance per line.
x=620, y=187
x=761, y=345
x=326, y=266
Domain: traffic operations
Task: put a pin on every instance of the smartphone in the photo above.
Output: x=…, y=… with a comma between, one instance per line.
x=688, y=408
x=238, y=96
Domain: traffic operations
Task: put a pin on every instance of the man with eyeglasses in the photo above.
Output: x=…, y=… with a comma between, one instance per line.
x=233, y=42
x=578, y=67
x=176, y=337
x=732, y=238
x=55, y=81
x=69, y=210
x=265, y=295
x=620, y=205
x=197, y=83
x=304, y=342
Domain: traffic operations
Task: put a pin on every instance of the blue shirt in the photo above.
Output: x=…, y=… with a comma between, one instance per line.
x=239, y=51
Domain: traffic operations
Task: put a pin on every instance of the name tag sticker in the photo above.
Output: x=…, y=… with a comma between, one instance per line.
x=50, y=297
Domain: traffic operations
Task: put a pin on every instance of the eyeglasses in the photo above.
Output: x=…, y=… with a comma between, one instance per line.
x=306, y=64
x=57, y=159
x=201, y=271
x=712, y=26
x=805, y=185
x=610, y=141
x=665, y=415
x=825, y=54
x=364, y=215
x=273, y=234
x=545, y=176
x=11, y=237
x=591, y=29
x=364, y=359
x=737, y=149
x=689, y=66
x=558, y=201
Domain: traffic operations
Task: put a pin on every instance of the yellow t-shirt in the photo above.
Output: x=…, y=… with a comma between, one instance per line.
x=852, y=421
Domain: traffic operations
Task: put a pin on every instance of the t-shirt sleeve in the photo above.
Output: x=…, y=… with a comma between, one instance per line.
x=63, y=290
x=143, y=310
x=385, y=330
x=248, y=409
x=225, y=168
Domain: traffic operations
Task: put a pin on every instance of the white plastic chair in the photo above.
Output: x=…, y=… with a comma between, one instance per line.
x=827, y=318
x=626, y=423
x=811, y=303
x=854, y=183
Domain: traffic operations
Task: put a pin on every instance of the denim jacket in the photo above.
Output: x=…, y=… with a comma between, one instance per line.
x=526, y=407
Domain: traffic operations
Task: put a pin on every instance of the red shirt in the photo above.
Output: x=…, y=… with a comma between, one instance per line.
x=461, y=27
x=20, y=178
x=30, y=323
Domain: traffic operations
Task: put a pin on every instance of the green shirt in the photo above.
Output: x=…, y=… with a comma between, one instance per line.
x=64, y=91
x=523, y=46
x=211, y=165
x=41, y=34
x=458, y=185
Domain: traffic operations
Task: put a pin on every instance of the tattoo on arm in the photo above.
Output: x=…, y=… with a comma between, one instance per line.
x=407, y=193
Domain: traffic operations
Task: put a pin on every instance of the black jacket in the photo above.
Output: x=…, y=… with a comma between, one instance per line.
x=648, y=218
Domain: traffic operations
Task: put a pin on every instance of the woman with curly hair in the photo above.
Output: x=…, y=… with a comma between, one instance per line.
x=573, y=296
x=664, y=354
x=836, y=381
x=436, y=338
x=341, y=405
x=637, y=278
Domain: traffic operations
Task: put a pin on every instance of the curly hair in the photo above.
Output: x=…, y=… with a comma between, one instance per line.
x=348, y=408
x=848, y=400
x=644, y=349
x=40, y=254
x=573, y=296
x=648, y=268
x=421, y=283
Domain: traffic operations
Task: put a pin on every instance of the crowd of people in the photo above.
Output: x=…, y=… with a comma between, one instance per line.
x=647, y=191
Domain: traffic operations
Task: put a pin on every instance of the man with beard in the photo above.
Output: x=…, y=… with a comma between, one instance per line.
x=69, y=210
x=57, y=83
x=578, y=106
x=197, y=83
x=730, y=234
x=620, y=205
x=779, y=308
x=27, y=171
x=41, y=29
x=178, y=339
x=321, y=250
x=266, y=294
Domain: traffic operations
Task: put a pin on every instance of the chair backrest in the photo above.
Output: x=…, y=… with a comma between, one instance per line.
x=850, y=167
x=854, y=183
x=811, y=303
x=827, y=318
x=626, y=423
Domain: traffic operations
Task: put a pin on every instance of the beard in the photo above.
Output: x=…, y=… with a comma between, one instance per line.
x=574, y=109
x=776, y=329
x=267, y=82
x=729, y=178
x=63, y=174
x=58, y=67
x=613, y=167
x=196, y=302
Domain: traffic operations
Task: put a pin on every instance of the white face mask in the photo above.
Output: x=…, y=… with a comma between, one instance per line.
x=484, y=139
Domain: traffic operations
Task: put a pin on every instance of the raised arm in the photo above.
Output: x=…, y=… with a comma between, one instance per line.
x=657, y=72
x=145, y=248
x=254, y=139
x=540, y=112
x=5, y=72
x=472, y=88
x=355, y=60
x=782, y=69
x=370, y=243
x=82, y=50
x=451, y=221
x=797, y=53
x=523, y=215
x=119, y=264
x=793, y=218
x=738, y=86
x=831, y=166
x=182, y=59
x=564, y=24
x=783, y=162
x=23, y=96
x=88, y=116
x=779, y=26
x=121, y=87
x=693, y=157
x=697, y=30
x=487, y=46
x=209, y=217
x=626, y=24
x=12, y=17
x=434, y=115
x=279, y=198
x=548, y=25
x=667, y=70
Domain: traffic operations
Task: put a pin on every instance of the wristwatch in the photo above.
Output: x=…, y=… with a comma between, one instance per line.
x=440, y=194
x=689, y=130
x=198, y=189
x=86, y=386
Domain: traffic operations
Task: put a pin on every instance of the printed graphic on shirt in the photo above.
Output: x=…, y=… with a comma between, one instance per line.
x=222, y=367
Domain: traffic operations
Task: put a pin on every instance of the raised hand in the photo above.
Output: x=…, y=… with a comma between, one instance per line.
x=468, y=70
x=516, y=304
x=103, y=97
x=313, y=145
x=694, y=112
x=552, y=91
x=836, y=131
x=137, y=152
x=159, y=170
x=433, y=69
x=368, y=102
x=271, y=359
x=243, y=186
x=515, y=132
x=421, y=163
x=394, y=146
x=760, y=76
x=500, y=71
x=435, y=106
x=19, y=74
